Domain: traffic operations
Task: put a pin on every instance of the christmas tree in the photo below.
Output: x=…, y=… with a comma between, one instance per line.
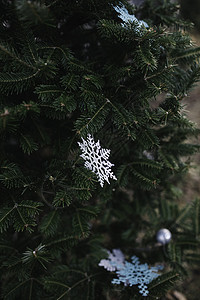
x=94, y=140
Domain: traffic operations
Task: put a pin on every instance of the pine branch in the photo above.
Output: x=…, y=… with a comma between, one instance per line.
x=27, y=144
x=194, y=52
x=5, y=218
x=46, y=91
x=52, y=284
x=12, y=176
x=28, y=287
x=163, y=283
x=68, y=240
x=63, y=198
x=12, y=54
x=16, y=82
x=83, y=129
x=123, y=120
x=196, y=217
x=10, y=78
x=183, y=215
x=174, y=253
x=14, y=289
x=50, y=223
x=75, y=285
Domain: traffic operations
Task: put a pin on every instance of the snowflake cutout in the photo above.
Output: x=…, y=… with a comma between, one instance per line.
x=130, y=273
x=126, y=17
x=148, y=155
x=96, y=159
x=114, y=262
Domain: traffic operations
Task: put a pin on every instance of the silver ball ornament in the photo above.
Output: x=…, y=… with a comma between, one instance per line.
x=163, y=236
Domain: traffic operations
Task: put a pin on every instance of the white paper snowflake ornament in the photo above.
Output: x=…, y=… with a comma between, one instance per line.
x=126, y=17
x=115, y=259
x=96, y=159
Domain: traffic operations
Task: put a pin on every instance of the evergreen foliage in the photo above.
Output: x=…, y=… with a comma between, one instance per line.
x=73, y=68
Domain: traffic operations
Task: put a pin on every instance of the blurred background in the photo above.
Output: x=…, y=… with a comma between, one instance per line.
x=190, y=10
x=189, y=188
x=190, y=289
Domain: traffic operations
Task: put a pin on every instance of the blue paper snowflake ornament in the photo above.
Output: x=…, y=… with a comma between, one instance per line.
x=130, y=273
x=136, y=274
